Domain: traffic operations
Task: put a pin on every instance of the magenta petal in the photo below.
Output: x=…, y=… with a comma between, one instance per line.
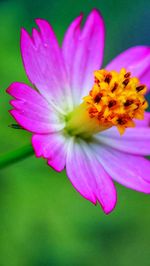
x=134, y=140
x=32, y=111
x=89, y=177
x=136, y=60
x=129, y=170
x=52, y=147
x=70, y=43
x=83, y=52
x=25, y=93
x=44, y=64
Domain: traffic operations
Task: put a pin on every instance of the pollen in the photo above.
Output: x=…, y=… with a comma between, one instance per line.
x=116, y=99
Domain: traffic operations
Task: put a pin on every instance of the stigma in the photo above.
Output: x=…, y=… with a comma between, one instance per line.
x=115, y=99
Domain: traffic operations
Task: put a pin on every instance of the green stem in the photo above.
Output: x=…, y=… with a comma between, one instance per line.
x=15, y=156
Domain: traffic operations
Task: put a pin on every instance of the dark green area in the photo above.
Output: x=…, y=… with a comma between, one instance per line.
x=12, y=157
x=43, y=220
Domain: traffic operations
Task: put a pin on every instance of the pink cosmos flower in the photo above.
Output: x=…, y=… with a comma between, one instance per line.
x=80, y=134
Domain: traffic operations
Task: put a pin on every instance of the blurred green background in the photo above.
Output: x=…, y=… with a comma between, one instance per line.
x=43, y=220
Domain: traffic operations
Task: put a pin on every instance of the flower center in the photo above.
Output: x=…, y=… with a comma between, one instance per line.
x=115, y=99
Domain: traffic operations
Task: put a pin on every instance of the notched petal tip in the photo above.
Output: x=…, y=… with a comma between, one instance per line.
x=81, y=15
x=41, y=20
x=97, y=16
x=77, y=22
x=23, y=31
x=108, y=201
x=24, y=35
x=26, y=38
x=53, y=148
x=36, y=146
x=108, y=209
x=12, y=86
x=96, y=202
x=88, y=196
x=8, y=90
x=54, y=166
x=43, y=25
x=26, y=41
x=14, y=113
x=96, y=12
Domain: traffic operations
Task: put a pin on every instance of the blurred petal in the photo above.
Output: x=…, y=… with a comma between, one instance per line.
x=32, y=111
x=129, y=170
x=44, y=64
x=89, y=177
x=52, y=147
x=136, y=60
x=134, y=140
x=83, y=53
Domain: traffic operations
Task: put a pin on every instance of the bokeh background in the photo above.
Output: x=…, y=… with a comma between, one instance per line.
x=43, y=220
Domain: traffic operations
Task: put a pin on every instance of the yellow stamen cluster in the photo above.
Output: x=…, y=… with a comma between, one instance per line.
x=116, y=99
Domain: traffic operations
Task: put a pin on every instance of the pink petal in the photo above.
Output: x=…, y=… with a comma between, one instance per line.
x=52, y=147
x=70, y=43
x=44, y=64
x=129, y=170
x=134, y=140
x=88, y=176
x=136, y=60
x=32, y=111
x=83, y=52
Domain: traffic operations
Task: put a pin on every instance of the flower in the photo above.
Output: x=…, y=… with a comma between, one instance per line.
x=84, y=125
